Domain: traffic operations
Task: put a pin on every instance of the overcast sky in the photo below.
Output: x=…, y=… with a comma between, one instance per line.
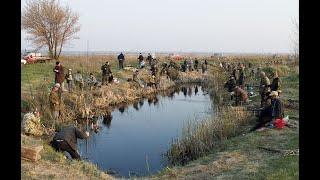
x=183, y=25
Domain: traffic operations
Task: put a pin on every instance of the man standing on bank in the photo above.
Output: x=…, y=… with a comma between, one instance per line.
x=59, y=75
x=121, y=60
x=106, y=71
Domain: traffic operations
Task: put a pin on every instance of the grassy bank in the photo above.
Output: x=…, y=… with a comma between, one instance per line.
x=53, y=165
x=244, y=156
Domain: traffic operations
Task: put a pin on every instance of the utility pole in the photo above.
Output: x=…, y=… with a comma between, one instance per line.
x=87, y=54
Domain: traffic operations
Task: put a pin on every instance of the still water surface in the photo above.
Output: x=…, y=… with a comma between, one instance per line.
x=133, y=141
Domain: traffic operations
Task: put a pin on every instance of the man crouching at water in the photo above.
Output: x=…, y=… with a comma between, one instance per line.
x=66, y=140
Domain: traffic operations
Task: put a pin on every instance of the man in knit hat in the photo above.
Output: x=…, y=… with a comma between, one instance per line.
x=264, y=86
x=69, y=78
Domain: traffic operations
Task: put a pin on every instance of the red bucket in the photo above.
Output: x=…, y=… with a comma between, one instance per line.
x=279, y=123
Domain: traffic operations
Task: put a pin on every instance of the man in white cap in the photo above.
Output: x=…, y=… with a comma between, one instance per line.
x=276, y=106
x=55, y=101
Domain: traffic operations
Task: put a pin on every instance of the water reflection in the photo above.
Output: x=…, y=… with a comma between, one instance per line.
x=145, y=130
x=184, y=90
x=150, y=101
x=141, y=102
x=171, y=95
x=195, y=90
x=135, y=106
x=155, y=101
x=122, y=108
x=189, y=91
x=107, y=119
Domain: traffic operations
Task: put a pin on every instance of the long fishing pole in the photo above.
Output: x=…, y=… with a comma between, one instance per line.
x=30, y=87
x=84, y=100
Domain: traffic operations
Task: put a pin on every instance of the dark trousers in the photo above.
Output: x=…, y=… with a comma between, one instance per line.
x=263, y=99
x=64, y=146
x=121, y=64
x=264, y=117
x=105, y=78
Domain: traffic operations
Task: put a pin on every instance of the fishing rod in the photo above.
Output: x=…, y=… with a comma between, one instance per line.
x=30, y=87
x=85, y=106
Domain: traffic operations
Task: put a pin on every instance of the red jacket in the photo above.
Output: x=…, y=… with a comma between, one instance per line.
x=59, y=76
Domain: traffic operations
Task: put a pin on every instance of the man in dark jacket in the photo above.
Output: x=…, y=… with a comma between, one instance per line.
x=149, y=59
x=196, y=63
x=121, y=60
x=140, y=59
x=230, y=84
x=206, y=63
x=203, y=67
x=66, y=140
x=184, y=66
x=235, y=74
x=265, y=114
x=241, y=78
x=59, y=74
x=275, y=85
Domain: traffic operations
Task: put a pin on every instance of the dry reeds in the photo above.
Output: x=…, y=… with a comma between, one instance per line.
x=199, y=138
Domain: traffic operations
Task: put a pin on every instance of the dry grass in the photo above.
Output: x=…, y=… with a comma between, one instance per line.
x=222, y=162
x=53, y=165
x=198, y=139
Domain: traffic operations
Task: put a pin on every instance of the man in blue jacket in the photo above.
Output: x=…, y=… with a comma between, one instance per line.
x=121, y=60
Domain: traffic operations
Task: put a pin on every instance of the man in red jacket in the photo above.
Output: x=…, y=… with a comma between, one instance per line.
x=59, y=75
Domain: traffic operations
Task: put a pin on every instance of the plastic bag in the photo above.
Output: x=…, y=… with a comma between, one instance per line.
x=279, y=123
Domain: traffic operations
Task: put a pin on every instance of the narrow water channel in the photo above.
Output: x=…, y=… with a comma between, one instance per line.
x=132, y=143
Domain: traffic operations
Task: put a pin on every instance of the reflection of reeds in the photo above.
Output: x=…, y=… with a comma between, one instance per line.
x=198, y=138
x=147, y=164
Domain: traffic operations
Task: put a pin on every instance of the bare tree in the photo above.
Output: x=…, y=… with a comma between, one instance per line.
x=49, y=24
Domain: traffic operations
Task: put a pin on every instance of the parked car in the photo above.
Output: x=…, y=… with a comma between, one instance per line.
x=31, y=57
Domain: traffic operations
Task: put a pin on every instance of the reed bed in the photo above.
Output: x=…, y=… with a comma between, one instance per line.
x=199, y=138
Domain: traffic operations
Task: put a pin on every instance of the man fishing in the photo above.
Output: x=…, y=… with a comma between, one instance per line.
x=241, y=96
x=66, y=140
x=230, y=85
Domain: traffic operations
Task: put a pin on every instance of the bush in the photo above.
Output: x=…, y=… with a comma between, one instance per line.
x=173, y=74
